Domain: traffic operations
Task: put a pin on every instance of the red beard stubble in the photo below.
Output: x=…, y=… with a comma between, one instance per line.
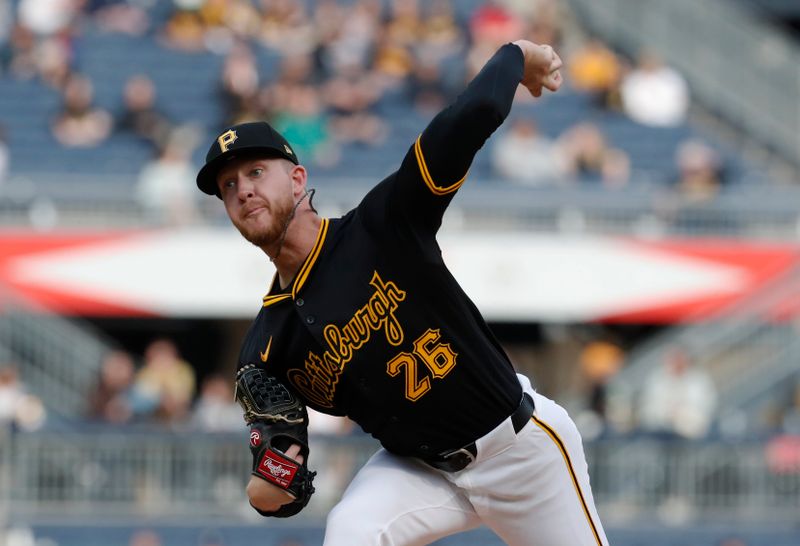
x=265, y=236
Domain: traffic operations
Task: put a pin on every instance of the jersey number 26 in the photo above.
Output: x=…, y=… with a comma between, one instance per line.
x=437, y=357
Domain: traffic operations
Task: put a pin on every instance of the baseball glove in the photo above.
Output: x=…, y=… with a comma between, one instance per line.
x=277, y=420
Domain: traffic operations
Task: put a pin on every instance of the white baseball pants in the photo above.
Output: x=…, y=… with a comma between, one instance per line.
x=530, y=488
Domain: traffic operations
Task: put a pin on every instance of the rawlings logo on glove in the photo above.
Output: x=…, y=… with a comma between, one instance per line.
x=277, y=420
x=276, y=469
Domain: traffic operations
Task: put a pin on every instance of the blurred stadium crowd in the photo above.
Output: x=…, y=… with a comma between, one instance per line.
x=131, y=88
x=125, y=94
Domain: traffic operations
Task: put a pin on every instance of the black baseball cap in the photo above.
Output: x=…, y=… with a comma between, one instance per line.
x=237, y=141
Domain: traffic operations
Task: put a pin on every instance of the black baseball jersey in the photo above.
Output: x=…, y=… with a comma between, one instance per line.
x=374, y=326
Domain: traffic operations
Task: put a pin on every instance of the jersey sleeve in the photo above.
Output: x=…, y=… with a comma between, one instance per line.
x=437, y=163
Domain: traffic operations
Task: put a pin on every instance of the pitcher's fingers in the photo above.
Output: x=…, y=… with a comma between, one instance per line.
x=294, y=453
x=553, y=81
x=557, y=62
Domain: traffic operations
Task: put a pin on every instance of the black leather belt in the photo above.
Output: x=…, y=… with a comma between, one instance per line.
x=458, y=459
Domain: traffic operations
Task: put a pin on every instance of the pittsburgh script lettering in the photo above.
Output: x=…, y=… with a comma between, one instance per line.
x=318, y=378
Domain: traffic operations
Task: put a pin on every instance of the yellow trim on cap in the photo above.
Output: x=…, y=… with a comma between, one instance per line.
x=557, y=440
x=426, y=175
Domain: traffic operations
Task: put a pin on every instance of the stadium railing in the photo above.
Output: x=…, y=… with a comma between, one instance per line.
x=57, y=358
x=193, y=475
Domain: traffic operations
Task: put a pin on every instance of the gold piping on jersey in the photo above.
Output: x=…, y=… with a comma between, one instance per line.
x=302, y=275
x=557, y=440
x=426, y=175
x=270, y=300
x=305, y=269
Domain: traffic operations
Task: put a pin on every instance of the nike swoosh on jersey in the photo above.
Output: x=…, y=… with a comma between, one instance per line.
x=265, y=355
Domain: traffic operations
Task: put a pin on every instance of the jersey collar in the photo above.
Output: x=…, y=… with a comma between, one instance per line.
x=304, y=272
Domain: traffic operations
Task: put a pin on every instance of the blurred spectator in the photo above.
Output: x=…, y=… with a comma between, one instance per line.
x=166, y=186
x=226, y=22
x=54, y=61
x=526, y=9
x=440, y=35
x=403, y=24
x=165, y=385
x=285, y=27
x=522, y=154
x=140, y=116
x=499, y=21
x=437, y=64
x=616, y=168
x=678, y=398
x=184, y=30
x=351, y=97
x=701, y=172
x=584, y=149
x=587, y=156
x=490, y=26
x=494, y=23
x=215, y=409
x=351, y=45
x=17, y=407
x=597, y=70
x=439, y=57
x=47, y=17
x=394, y=58
x=239, y=86
x=329, y=18
x=545, y=25
x=427, y=87
x=295, y=71
x=393, y=64
x=655, y=94
x=80, y=123
x=303, y=123
x=110, y=400
x=47, y=57
x=600, y=361
x=21, y=61
x=123, y=16
x=10, y=393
